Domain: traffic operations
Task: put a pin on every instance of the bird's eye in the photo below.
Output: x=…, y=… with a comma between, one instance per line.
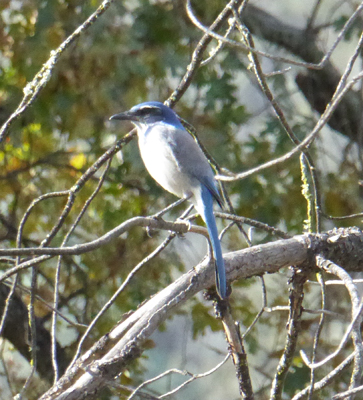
x=145, y=110
x=149, y=111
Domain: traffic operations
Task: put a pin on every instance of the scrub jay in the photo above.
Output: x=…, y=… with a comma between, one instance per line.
x=176, y=162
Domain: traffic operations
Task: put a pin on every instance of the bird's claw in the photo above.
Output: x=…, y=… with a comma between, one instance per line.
x=183, y=221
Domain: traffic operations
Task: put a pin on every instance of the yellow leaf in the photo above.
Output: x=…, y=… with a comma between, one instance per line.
x=78, y=161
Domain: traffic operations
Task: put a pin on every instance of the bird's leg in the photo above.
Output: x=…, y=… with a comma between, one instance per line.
x=183, y=217
x=160, y=214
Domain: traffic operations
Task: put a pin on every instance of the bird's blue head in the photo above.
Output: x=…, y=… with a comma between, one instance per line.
x=148, y=113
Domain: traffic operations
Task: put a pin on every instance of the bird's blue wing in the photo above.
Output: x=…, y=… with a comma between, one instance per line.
x=192, y=161
x=212, y=187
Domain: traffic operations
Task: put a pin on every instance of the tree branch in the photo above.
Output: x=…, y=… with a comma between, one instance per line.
x=114, y=352
x=318, y=86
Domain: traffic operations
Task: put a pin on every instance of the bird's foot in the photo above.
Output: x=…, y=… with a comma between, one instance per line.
x=183, y=221
x=149, y=230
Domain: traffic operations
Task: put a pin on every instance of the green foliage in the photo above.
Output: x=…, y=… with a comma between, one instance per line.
x=203, y=320
x=355, y=28
x=139, y=51
x=299, y=376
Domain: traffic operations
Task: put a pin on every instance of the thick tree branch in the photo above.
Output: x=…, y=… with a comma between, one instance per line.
x=113, y=353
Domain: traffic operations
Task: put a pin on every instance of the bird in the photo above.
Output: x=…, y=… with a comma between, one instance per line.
x=175, y=161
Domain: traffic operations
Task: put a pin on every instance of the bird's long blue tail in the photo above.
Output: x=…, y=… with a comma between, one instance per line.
x=208, y=216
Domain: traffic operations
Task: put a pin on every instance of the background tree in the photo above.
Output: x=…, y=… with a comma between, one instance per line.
x=274, y=91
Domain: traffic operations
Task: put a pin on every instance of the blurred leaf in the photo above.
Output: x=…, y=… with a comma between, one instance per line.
x=78, y=161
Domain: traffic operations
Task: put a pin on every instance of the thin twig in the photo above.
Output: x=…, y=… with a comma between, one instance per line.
x=57, y=274
x=317, y=333
x=157, y=378
x=256, y=224
x=194, y=377
x=313, y=15
x=329, y=378
x=246, y=48
x=305, y=143
x=198, y=55
x=356, y=315
x=116, y=294
x=32, y=89
x=178, y=227
x=293, y=330
x=348, y=393
x=262, y=310
x=111, y=301
x=330, y=267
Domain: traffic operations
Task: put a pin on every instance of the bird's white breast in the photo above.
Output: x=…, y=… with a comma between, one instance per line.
x=155, y=143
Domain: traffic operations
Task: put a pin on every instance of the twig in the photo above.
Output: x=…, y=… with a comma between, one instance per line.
x=356, y=315
x=317, y=333
x=198, y=55
x=57, y=273
x=33, y=333
x=32, y=89
x=178, y=227
x=156, y=378
x=358, y=215
x=313, y=15
x=330, y=267
x=116, y=294
x=262, y=310
x=236, y=347
x=329, y=378
x=305, y=143
x=109, y=303
x=293, y=330
x=257, y=69
x=246, y=48
x=348, y=393
x=256, y=224
x=49, y=306
x=194, y=377
x=305, y=310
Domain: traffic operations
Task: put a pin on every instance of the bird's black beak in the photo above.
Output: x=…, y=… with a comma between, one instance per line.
x=125, y=116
